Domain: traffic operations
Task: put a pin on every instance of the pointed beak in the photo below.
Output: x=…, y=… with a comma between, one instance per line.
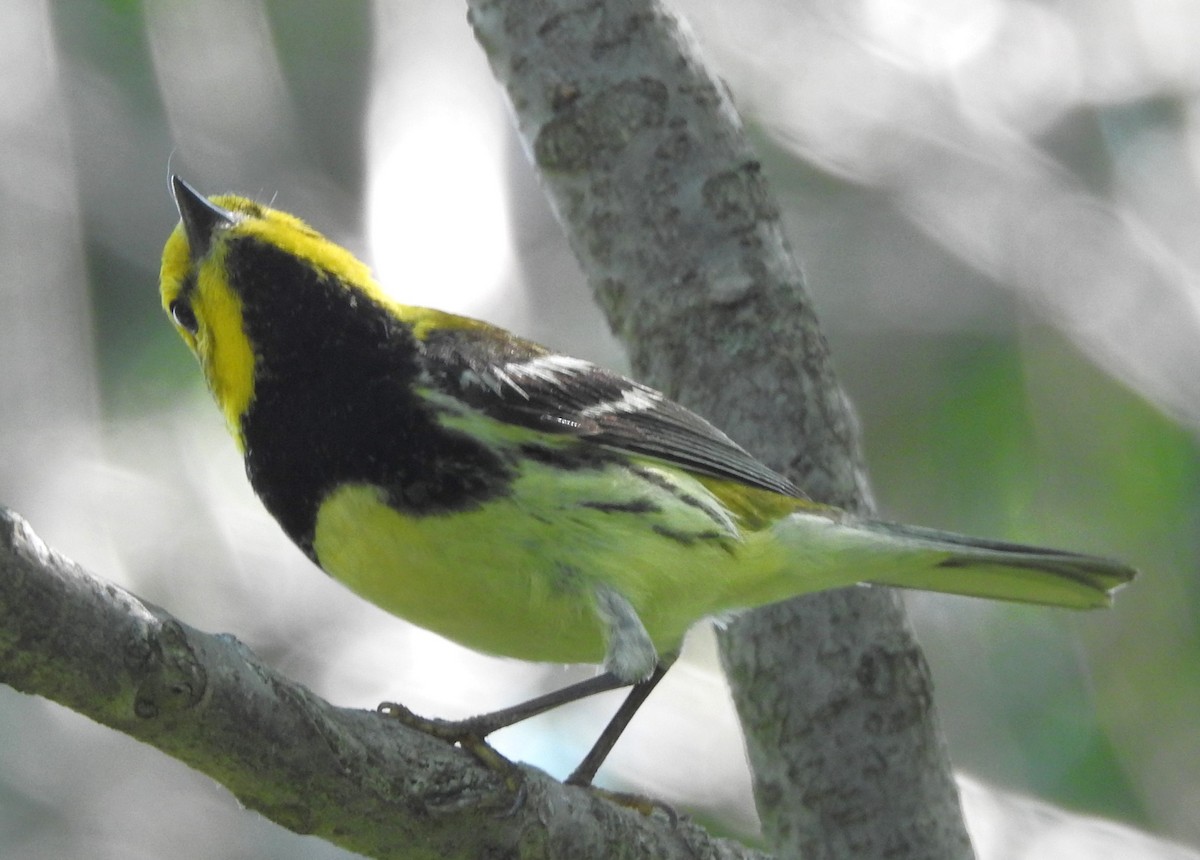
x=201, y=218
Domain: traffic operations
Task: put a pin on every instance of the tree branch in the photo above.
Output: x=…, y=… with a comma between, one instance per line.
x=352, y=777
x=649, y=170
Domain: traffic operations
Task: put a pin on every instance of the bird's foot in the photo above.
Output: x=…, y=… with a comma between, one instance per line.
x=469, y=734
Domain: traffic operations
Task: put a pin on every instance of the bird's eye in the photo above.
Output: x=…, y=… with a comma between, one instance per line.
x=184, y=316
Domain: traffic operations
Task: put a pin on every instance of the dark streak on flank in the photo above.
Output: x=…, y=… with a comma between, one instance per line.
x=633, y=506
x=680, y=537
x=658, y=480
x=721, y=539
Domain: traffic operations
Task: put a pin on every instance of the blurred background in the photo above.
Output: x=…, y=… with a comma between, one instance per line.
x=997, y=206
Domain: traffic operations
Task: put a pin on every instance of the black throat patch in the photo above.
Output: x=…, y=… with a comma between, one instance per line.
x=334, y=401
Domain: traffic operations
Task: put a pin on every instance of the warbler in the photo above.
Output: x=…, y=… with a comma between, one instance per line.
x=515, y=500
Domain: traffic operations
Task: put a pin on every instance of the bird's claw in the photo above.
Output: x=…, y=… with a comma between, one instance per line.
x=466, y=734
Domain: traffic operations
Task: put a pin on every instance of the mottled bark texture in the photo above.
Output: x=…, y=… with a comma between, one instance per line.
x=647, y=166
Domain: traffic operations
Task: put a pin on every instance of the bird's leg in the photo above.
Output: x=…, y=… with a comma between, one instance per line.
x=457, y=731
x=630, y=659
x=586, y=771
x=630, y=654
x=472, y=732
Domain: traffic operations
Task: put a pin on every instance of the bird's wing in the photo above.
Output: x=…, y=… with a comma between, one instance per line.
x=519, y=382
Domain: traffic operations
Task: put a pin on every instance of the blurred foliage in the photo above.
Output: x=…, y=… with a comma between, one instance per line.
x=1018, y=338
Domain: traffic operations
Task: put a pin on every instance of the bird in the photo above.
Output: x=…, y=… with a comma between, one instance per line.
x=521, y=502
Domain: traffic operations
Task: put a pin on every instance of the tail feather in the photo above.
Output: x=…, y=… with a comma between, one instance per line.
x=958, y=564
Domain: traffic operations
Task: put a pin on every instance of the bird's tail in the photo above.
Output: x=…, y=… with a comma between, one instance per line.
x=913, y=557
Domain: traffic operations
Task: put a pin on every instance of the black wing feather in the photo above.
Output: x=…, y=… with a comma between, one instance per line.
x=522, y=383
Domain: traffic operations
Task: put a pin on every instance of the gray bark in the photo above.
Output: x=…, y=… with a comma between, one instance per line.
x=647, y=166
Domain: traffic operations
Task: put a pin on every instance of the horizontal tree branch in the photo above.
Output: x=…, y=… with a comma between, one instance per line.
x=352, y=777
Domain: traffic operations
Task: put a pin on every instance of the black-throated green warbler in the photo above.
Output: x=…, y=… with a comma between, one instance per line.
x=520, y=502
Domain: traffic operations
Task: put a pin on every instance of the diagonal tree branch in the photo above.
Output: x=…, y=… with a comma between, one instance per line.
x=648, y=168
x=352, y=777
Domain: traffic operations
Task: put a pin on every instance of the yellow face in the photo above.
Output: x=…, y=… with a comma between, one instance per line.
x=205, y=301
